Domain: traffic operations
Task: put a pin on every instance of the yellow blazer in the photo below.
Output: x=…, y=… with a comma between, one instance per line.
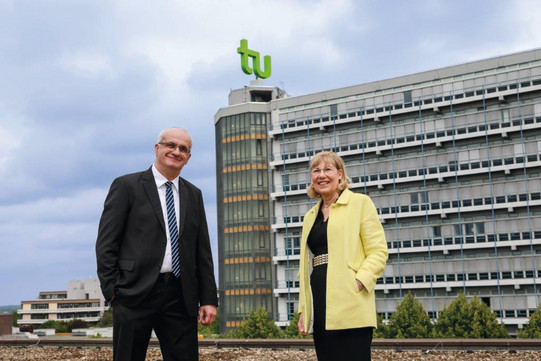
x=357, y=250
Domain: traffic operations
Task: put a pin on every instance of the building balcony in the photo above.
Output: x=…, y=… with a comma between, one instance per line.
x=284, y=287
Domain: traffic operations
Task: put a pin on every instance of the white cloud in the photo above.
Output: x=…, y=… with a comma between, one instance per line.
x=87, y=63
x=80, y=205
x=528, y=27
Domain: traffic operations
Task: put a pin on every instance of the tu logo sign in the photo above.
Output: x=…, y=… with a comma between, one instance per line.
x=246, y=53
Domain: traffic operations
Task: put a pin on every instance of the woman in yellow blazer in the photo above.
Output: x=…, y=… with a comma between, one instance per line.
x=343, y=253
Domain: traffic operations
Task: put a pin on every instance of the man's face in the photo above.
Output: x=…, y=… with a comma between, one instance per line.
x=169, y=158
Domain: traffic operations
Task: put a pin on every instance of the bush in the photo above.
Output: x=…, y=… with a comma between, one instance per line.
x=533, y=327
x=292, y=330
x=106, y=320
x=15, y=316
x=381, y=330
x=58, y=326
x=409, y=321
x=257, y=325
x=469, y=320
x=76, y=323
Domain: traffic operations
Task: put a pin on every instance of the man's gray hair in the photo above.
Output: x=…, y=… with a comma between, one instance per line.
x=162, y=134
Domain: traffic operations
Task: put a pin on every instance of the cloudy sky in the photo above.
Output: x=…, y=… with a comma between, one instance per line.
x=86, y=86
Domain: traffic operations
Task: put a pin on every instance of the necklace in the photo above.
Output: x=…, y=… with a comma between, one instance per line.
x=327, y=206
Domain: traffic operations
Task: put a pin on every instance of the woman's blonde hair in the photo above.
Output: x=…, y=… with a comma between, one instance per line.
x=333, y=159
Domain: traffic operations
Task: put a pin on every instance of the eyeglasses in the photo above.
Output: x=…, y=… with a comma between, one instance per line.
x=326, y=170
x=172, y=146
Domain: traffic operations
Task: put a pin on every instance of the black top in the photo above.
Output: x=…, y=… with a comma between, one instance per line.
x=317, y=238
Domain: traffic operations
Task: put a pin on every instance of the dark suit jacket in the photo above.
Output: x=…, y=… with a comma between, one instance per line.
x=132, y=239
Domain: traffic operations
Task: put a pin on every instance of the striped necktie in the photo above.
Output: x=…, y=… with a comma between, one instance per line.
x=173, y=229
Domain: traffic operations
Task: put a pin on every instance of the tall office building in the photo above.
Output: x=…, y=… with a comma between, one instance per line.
x=244, y=238
x=451, y=159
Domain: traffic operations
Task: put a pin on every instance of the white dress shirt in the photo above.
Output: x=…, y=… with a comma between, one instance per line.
x=160, y=184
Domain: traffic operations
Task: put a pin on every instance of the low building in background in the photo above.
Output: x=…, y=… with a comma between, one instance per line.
x=82, y=300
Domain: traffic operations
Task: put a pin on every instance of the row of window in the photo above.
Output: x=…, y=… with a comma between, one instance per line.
x=408, y=103
x=78, y=305
x=254, y=243
x=453, y=167
x=512, y=236
x=287, y=284
x=238, y=307
x=244, y=123
x=39, y=306
x=450, y=277
x=523, y=197
x=413, y=138
x=522, y=313
x=78, y=315
x=438, y=241
x=52, y=296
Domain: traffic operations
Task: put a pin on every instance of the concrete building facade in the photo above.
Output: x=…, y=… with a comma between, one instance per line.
x=451, y=159
x=82, y=300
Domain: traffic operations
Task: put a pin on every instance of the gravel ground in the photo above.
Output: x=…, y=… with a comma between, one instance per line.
x=53, y=353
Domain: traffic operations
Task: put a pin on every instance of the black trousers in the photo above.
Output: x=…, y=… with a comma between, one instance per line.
x=164, y=311
x=336, y=345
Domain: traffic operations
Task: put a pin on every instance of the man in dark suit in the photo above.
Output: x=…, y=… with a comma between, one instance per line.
x=154, y=257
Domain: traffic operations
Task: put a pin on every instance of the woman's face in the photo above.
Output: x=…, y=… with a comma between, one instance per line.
x=325, y=178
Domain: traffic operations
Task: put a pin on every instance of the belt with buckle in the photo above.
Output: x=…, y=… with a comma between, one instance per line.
x=321, y=260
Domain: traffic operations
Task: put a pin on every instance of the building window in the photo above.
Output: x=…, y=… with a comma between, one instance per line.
x=39, y=306
x=480, y=228
x=261, y=208
x=469, y=229
x=259, y=147
x=39, y=316
x=293, y=246
x=334, y=111
x=260, y=178
x=262, y=240
x=291, y=307
x=407, y=97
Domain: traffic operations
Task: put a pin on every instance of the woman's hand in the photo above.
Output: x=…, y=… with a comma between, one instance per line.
x=300, y=325
x=359, y=285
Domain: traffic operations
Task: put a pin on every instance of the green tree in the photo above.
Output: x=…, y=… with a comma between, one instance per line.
x=76, y=323
x=106, y=320
x=409, y=321
x=211, y=331
x=292, y=330
x=58, y=326
x=475, y=319
x=533, y=327
x=257, y=325
x=15, y=316
x=381, y=330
